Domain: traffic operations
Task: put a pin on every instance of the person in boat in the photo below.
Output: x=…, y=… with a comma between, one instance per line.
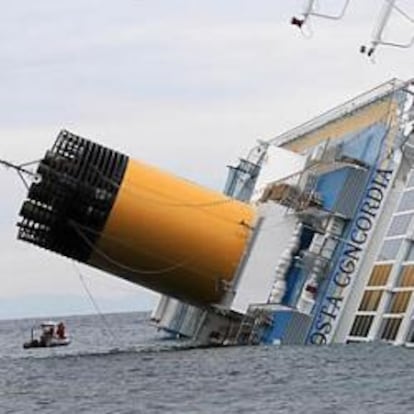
x=60, y=331
x=47, y=335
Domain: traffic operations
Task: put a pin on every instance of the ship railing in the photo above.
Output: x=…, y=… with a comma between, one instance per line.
x=380, y=92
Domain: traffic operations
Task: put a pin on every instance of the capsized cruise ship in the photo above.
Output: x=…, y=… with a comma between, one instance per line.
x=311, y=242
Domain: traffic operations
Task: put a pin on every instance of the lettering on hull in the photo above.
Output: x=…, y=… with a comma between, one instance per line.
x=347, y=266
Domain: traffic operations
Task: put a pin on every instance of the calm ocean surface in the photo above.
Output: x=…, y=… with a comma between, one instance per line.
x=131, y=369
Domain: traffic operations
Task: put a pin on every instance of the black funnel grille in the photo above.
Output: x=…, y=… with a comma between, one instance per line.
x=79, y=184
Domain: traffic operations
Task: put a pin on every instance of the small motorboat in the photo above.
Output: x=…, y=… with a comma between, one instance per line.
x=48, y=334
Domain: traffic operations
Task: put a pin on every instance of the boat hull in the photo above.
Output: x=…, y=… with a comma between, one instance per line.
x=51, y=344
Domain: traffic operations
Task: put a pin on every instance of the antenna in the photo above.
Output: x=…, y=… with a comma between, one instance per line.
x=389, y=7
x=310, y=10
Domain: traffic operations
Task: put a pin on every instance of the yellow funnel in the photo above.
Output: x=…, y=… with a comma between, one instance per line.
x=135, y=221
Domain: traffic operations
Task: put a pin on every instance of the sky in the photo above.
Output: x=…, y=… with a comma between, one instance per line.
x=186, y=85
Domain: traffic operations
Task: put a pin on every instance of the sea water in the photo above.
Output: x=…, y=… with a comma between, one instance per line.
x=121, y=364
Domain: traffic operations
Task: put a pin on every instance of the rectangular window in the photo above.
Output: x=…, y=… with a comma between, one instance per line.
x=379, y=275
x=410, y=254
x=410, y=181
x=370, y=300
x=390, y=249
x=406, y=278
x=399, y=302
x=361, y=325
x=407, y=201
x=399, y=225
x=410, y=334
x=389, y=328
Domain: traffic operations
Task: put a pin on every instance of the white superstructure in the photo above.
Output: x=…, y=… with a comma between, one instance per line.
x=331, y=257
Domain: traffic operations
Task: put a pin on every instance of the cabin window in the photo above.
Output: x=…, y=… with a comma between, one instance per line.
x=410, y=334
x=410, y=182
x=410, y=254
x=379, y=275
x=407, y=201
x=406, y=278
x=399, y=225
x=361, y=325
x=389, y=328
x=370, y=300
x=399, y=302
x=390, y=249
